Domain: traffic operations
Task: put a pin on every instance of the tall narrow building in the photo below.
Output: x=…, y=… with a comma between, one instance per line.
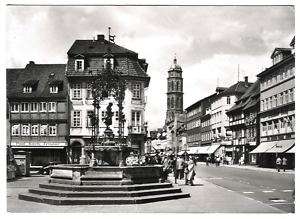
x=175, y=92
x=175, y=118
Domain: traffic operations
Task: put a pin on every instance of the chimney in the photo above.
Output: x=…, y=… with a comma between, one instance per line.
x=31, y=63
x=100, y=37
x=246, y=80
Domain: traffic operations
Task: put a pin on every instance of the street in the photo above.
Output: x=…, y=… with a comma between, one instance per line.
x=272, y=188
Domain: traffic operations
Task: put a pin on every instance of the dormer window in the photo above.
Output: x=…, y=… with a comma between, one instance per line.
x=53, y=89
x=79, y=64
x=106, y=60
x=27, y=89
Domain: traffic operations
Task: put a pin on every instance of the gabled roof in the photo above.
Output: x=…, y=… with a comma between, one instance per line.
x=90, y=47
x=283, y=50
x=44, y=74
x=236, y=89
x=292, y=43
x=247, y=98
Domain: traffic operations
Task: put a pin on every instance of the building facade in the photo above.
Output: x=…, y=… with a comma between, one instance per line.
x=199, y=128
x=244, y=125
x=85, y=59
x=224, y=100
x=38, y=112
x=277, y=104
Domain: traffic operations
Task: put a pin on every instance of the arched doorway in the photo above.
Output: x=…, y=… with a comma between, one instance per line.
x=76, y=145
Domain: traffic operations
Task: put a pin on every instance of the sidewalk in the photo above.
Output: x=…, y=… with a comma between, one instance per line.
x=205, y=198
x=250, y=167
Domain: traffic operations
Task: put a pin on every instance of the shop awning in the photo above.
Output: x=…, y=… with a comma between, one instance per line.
x=281, y=146
x=263, y=147
x=199, y=150
x=291, y=150
x=212, y=148
x=193, y=150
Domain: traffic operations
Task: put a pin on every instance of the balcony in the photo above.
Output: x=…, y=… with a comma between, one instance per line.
x=136, y=130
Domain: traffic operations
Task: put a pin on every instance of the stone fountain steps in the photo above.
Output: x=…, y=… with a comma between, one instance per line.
x=87, y=182
x=100, y=200
x=139, y=193
x=134, y=187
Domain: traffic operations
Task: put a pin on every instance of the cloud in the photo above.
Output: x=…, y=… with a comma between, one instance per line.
x=210, y=41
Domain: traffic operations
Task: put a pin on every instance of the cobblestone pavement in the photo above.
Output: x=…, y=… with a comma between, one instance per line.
x=205, y=198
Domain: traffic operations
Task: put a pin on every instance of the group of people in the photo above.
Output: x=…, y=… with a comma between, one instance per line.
x=183, y=169
x=213, y=160
x=281, y=163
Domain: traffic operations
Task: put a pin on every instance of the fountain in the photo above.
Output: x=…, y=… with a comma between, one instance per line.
x=93, y=183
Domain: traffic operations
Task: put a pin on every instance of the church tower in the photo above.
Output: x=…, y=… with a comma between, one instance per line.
x=175, y=92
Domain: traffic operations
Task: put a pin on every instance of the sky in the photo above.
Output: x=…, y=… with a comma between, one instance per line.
x=210, y=42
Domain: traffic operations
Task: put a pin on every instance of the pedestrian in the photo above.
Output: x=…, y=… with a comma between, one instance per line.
x=278, y=163
x=284, y=164
x=166, y=168
x=217, y=161
x=179, y=168
x=207, y=160
x=191, y=171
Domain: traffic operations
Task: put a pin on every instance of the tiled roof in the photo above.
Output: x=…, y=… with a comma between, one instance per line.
x=253, y=89
x=236, y=89
x=85, y=47
x=246, y=98
x=43, y=74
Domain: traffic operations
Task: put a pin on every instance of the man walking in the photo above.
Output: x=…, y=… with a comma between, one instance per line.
x=278, y=163
x=284, y=164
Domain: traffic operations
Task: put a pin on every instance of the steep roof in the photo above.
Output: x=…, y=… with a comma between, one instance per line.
x=90, y=47
x=42, y=75
x=236, y=89
x=247, y=99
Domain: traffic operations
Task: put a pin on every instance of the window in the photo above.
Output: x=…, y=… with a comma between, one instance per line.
x=25, y=130
x=292, y=95
x=103, y=114
x=79, y=64
x=274, y=80
x=34, y=130
x=52, y=130
x=292, y=71
x=275, y=100
x=14, y=107
x=52, y=106
x=135, y=118
x=27, y=89
x=286, y=97
x=89, y=94
x=280, y=99
x=43, y=130
x=271, y=102
x=34, y=107
x=105, y=60
x=25, y=107
x=283, y=75
x=15, y=130
x=90, y=114
x=53, y=89
x=278, y=78
x=117, y=115
x=43, y=107
x=76, y=91
x=228, y=100
x=136, y=89
x=76, y=122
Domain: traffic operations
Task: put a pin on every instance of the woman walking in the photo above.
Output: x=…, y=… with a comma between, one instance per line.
x=191, y=171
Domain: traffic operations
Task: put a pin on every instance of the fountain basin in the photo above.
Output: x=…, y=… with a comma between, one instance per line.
x=99, y=175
